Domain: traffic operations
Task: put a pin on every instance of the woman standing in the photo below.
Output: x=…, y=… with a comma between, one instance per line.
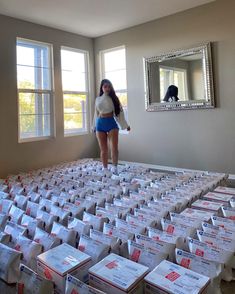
x=108, y=115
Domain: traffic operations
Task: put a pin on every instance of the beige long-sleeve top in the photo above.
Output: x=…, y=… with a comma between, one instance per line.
x=104, y=105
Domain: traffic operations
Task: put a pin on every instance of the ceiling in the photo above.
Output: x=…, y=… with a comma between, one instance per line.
x=94, y=18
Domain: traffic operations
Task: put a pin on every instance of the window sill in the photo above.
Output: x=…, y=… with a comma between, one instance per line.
x=35, y=139
x=74, y=134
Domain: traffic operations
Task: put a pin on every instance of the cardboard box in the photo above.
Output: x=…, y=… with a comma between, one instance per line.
x=213, y=207
x=118, y=275
x=223, y=222
x=218, y=197
x=198, y=214
x=169, y=278
x=225, y=190
x=56, y=263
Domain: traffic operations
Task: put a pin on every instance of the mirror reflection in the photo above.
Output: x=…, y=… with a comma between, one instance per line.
x=178, y=79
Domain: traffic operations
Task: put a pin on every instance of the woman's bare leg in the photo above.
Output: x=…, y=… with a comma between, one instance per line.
x=103, y=143
x=113, y=137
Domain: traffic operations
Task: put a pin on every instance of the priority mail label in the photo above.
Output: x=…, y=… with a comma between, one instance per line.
x=75, y=286
x=223, y=222
x=213, y=240
x=197, y=263
x=229, y=212
x=208, y=252
x=177, y=229
x=218, y=231
x=182, y=219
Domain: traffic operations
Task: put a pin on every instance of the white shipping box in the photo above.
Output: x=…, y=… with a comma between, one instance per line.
x=229, y=212
x=170, y=278
x=218, y=197
x=214, y=207
x=56, y=263
x=118, y=275
x=225, y=190
x=223, y=222
x=198, y=214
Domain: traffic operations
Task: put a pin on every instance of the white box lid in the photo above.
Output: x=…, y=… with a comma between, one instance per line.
x=218, y=196
x=226, y=190
x=196, y=213
x=119, y=271
x=173, y=278
x=207, y=205
x=63, y=258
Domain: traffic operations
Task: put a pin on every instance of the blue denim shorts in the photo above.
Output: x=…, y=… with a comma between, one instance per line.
x=105, y=124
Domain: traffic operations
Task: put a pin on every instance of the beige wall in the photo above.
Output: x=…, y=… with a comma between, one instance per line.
x=201, y=139
x=196, y=78
x=15, y=157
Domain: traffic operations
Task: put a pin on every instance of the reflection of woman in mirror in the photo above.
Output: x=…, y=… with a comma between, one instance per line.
x=171, y=94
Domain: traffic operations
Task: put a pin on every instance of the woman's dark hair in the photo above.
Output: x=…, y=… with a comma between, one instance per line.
x=172, y=91
x=113, y=96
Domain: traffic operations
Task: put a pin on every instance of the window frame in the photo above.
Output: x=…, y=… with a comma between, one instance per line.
x=50, y=92
x=78, y=132
x=102, y=75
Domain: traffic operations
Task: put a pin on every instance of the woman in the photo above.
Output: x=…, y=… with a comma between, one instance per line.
x=171, y=94
x=108, y=112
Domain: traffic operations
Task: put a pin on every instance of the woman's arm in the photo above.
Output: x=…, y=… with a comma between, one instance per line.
x=96, y=114
x=122, y=120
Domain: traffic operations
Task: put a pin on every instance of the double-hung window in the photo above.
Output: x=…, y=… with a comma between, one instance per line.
x=74, y=64
x=113, y=67
x=35, y=90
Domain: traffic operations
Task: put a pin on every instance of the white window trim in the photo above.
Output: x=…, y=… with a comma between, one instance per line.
x=79, y=132
x=102, y=74
x=51, y=92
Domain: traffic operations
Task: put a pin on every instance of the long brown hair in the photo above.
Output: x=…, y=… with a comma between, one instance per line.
x=171, y=92
x=112, y=94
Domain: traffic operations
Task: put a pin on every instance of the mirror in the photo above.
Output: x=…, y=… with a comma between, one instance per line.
x=180, y=80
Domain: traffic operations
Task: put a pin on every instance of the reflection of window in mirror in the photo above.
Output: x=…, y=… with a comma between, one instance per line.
x=173, y=76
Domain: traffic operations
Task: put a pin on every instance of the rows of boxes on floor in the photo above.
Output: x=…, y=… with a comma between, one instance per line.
x=139, y=231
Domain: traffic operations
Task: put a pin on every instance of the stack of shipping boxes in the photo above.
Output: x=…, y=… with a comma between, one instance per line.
x=73, y=229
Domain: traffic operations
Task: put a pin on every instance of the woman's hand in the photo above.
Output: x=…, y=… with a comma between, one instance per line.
x=128, y=129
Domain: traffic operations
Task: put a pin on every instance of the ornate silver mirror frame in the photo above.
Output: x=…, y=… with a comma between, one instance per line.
x=208, y=102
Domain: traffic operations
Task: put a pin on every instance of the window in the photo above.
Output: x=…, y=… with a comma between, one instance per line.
x=173, y=76
x=74, y=65
x=35, y=89
x=113, y=67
